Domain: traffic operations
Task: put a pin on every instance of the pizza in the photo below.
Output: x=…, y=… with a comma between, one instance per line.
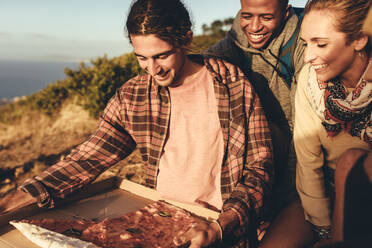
x=155, y=225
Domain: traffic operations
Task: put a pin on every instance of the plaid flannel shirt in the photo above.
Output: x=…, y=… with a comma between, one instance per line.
x=138, y=116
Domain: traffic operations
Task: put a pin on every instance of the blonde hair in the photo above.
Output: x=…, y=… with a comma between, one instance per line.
x=350, y=14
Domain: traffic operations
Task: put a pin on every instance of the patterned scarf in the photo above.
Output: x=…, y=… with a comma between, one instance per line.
x=340, y=110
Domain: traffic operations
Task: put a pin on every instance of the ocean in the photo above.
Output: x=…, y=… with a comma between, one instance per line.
x=22, y=78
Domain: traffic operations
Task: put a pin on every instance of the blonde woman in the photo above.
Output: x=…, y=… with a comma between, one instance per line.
x=332, y=132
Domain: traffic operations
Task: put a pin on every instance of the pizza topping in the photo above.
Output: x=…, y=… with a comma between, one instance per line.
x=72, y=231
x=125, y=236
x=151, y=209
x=185, y=245
x=164, y=214
x=134, y=230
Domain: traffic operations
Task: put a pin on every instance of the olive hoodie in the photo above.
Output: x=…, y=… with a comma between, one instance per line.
x=273, y=72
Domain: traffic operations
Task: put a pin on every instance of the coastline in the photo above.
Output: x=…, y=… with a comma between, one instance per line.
x=20, y=78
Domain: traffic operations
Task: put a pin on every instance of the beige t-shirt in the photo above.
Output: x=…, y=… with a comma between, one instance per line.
x=190, y=166
x=314, y=148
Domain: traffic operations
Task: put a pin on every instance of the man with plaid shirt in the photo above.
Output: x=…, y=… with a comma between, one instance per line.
x=204, y=138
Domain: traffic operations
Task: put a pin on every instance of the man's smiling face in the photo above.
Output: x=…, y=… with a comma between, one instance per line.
x=260, y=20
x=160, y=59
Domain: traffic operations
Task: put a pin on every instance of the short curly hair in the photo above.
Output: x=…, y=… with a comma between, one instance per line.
x=169, y=20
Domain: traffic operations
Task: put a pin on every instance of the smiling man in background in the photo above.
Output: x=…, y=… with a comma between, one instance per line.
x=263, y=42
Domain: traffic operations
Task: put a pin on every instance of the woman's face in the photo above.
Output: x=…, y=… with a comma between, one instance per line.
x=326, y=49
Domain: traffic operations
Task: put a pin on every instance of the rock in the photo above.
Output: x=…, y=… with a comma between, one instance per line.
x=19, y=171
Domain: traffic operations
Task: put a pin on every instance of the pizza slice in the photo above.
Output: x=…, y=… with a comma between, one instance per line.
x=155, y=225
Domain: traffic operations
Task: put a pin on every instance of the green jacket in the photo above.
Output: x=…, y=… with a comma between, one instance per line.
x=273, y=72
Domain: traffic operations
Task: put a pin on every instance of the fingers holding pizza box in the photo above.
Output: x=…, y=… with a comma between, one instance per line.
x=201, y=234
x=206, y=234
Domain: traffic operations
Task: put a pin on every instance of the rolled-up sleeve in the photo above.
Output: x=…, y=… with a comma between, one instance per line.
x=108, y=145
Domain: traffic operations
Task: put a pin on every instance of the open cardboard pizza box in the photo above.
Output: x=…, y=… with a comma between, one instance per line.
x=110, y=198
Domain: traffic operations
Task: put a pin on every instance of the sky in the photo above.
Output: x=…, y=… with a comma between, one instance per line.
x=81, y=30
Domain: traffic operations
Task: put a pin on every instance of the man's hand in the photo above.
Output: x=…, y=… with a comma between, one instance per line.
x=223, y=67
x=202, y=234
x=209, y=234
x=15, y=200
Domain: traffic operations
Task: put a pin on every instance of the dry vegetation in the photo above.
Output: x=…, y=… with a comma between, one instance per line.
x=37, y=141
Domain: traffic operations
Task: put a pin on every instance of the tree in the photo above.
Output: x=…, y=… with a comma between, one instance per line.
x=218, y=28
x=211, y=35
